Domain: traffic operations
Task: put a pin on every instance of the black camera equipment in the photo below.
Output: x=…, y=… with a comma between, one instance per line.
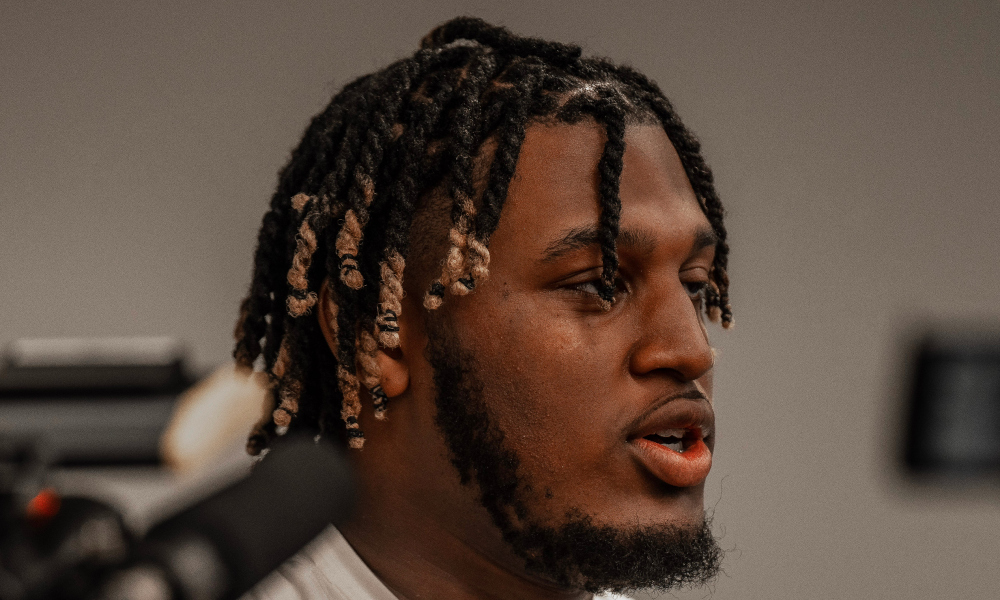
x=954, y=405
x=217, y=549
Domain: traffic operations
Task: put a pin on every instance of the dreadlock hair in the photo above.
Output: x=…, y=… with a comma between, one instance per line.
x=344, y=204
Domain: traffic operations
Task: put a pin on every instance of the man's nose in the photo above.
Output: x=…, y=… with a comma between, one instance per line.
x=672, y=336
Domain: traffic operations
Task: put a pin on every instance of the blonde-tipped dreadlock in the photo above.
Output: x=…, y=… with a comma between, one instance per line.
x=390, y=300
x=347, y=250
x=302, y=302
x=351, y=189
x=370, y=372
x=351, y=406
x=463, y=267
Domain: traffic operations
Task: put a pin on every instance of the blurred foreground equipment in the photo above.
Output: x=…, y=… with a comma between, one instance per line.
x=91, y=401
x=954, y=412
x=51, y=546
x=57, y=548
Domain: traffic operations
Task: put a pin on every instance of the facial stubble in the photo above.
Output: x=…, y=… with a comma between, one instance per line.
x=577, y=553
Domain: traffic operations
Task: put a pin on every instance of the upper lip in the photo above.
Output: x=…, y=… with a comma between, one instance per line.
x=689, y=410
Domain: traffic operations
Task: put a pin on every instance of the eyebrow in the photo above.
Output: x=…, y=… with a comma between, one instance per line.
x=639, y=240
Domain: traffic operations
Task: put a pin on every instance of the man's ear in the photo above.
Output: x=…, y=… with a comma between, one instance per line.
x=327, y=315
x=395, y=372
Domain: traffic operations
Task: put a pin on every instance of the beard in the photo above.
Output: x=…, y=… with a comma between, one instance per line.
x=577, y=553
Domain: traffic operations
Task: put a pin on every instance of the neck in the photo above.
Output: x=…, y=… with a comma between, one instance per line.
x=433, y=545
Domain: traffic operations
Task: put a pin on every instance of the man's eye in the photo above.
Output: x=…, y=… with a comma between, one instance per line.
x=695, y=289
x=591, y=287
x=587, y=287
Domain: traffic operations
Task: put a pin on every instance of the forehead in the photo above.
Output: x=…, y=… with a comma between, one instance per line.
x=555, y=187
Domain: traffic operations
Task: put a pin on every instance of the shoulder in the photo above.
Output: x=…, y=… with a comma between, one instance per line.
x=326, y=569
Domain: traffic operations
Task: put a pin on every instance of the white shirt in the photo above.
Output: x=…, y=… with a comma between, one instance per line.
x=329, y=569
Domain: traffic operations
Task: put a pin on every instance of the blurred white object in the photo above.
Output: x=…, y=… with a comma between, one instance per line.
x=214, y=417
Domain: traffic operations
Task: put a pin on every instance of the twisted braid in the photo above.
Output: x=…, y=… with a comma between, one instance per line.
x=610, y=169
x=467, y=258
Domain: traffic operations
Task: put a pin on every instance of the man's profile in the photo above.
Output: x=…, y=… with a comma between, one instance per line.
x=486, y=270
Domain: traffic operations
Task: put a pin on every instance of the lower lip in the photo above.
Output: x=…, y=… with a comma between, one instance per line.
x=679, y=469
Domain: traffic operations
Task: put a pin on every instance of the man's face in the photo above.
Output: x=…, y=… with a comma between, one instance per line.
x=547, y=404
x=577, y=391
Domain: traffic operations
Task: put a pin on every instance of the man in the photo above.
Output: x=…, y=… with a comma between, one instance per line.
x=485, y=271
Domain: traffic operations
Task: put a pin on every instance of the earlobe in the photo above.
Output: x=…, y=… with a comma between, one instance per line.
x=394, y=373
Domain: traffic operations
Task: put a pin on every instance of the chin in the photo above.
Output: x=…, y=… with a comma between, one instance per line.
x=583, y=553
x=684, y=511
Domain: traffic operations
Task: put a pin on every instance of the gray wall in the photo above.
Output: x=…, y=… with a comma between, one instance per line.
x=855, y=146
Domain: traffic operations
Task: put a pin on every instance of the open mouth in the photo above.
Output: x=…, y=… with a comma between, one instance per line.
x=674, y=443
x=678, y=440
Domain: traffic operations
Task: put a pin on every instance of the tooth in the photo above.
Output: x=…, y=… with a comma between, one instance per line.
x=669, y=433
x=677, y=446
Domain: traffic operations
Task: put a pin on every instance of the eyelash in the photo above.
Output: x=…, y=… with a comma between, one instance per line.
x=593, y=283
x=695, y=289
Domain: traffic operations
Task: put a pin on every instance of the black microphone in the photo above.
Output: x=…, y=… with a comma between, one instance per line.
x=221, y=547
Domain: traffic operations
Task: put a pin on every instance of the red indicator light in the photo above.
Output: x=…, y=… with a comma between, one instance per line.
x=43, y=506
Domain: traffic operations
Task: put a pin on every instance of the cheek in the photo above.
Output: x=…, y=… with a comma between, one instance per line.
x=550, y=383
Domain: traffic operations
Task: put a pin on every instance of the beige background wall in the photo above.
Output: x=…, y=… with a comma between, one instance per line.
x=855, y=145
